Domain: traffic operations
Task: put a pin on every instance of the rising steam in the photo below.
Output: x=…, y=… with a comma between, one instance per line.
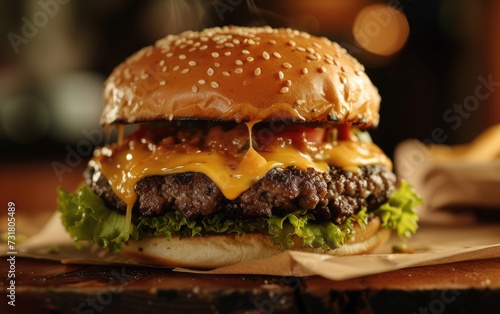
x=175, y=16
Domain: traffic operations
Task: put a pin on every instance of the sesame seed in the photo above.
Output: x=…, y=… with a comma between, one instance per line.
x=227, y=53
x=202, y=47
x=171, y=116
x=315, y=44
x=291, y=43
x=202, y=82
x=284, y=90
x=265, y=55
x=310, y=50
x=329, y=61
x=238, y=70
x=176, y=68
x=328, y=56
x=359, y=73
x=169, y=54
x=238, y=62
x=194, y=88
x=311, y=56
x=304, y=71
x=251, y=41
x=230, y=45
x=288, y=83
x=343, y=79
x=162, y=63
x=236, y=41
x=217, y=64
x=250, y=59
x=257, y=71
x=215, y=54
x=322, y=70
x=210, y=71
x=192, y=49
x=342, y=69
x=281, y=75
x=301, y=102
x=182, y=57
x=276, y=54
x=245, y=52
x=163, y=83
x=184, y=71
x=302, y=49
x=226, y=73
x=144, y=76
x=214, y=84
x=192, y=63
x=287, y=65
x=272, y=42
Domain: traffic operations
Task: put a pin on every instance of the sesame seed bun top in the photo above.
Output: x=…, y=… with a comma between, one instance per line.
x=241, y=74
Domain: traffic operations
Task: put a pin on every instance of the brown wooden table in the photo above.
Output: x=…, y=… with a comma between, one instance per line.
x=50, y=287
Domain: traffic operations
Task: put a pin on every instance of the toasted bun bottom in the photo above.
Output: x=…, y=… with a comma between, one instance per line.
x=222, y=250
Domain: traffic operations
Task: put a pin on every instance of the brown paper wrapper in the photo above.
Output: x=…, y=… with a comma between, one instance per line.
x=454, y=190
x=432, y=245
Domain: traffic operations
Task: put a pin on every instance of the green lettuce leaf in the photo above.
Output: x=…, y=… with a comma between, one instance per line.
x=399, y=211
x=86, y=218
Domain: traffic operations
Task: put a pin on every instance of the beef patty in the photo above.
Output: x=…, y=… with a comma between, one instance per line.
x=333, y=195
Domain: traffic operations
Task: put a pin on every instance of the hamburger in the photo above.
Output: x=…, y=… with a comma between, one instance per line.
x=248, y=142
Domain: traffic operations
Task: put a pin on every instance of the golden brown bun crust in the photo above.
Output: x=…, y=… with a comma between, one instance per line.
x=222, y=250
x=241, y=74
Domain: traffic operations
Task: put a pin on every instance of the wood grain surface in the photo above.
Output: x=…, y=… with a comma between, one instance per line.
x=50, y=287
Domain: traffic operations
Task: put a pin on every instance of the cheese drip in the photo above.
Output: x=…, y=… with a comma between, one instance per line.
x=351, y=155
x=127, y=165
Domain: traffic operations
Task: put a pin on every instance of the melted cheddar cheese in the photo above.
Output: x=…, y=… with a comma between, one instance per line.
x=125, y=166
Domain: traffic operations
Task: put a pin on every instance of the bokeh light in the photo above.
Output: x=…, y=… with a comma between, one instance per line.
x=77, y=104
x=381, y=29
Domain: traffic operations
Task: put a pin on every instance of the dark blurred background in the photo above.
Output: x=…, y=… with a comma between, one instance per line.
x=431, y=60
